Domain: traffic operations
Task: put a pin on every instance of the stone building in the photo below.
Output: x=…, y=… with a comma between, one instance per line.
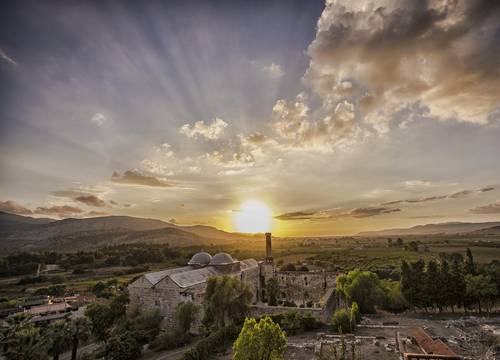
x=166, y=289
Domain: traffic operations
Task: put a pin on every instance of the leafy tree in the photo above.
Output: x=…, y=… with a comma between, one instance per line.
x=470, y=266
x=445, y=285
x=77, y=330
x=21, y=340
x=340, y=321
x=123, y=346
x=431, y=286
x=399, y=242
x=292, y=322
x=458, y=287
x=226, y=301
x=104, y=315
x=393, y=300
x=146, y=325
x=272, y=291
x=58, y=336
x=185, y=315
x=480, y=288
x=362, y=287
x=263, y=340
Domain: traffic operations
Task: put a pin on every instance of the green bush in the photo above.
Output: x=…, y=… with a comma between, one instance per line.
x=340, y=321
x=122, y=347
x=168, y=340
x=215, y=343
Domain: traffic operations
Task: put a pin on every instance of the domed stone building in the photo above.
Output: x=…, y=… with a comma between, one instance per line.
x=164, y=290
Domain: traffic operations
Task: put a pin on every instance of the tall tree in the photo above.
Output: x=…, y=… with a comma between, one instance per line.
x=480, y=289
x=458, y=287
x=445, y=286
x=263, y=340
x=470, y=266
x=226, y=301
x=431, y=285
x=185, y=315
x=272, y=291
x=78, y=330
x=362, y=287
x=58, y=336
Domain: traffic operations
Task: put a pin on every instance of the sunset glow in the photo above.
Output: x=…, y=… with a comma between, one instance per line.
x=253, y=217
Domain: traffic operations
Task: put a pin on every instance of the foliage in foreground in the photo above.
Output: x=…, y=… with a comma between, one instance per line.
x=263, y=340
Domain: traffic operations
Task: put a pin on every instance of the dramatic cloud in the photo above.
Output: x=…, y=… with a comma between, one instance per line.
x=455, y=195
x=61, y=211
x=56, y=210
x=98, y=119
x=4, y=56
x=387, y=56
x=91, y=200
x=210, y=131
x=133, y=177
x=493, y=208
x=333, y=215
x=14, y=208
x=295, y=124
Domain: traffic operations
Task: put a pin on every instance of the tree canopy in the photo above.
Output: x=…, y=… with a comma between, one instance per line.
x=363, y=287
x=263, y=340
x=226, y=301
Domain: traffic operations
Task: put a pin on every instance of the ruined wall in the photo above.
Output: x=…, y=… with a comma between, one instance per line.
x=302, y=287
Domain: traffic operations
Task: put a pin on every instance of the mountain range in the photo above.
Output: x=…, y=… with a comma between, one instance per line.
x=447, y=228
x=26, y=233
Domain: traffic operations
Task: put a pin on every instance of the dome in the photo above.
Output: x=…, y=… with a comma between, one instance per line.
x=222, y=259
x=200, y=259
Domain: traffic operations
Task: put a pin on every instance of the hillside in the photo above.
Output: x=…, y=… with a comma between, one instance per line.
x=432, y=229
x=22, y=233
x=495, y=230
x=11, y=222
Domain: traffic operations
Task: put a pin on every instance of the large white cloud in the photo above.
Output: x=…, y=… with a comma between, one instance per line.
x=210, y=131
x=440, y=57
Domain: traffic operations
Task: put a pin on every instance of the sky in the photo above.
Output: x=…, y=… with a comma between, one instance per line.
x=341, y=117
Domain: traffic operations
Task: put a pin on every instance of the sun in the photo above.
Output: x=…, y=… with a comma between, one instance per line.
x=253, y=217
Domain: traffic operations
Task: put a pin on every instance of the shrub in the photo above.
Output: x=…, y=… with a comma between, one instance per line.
x=122, y=347
x=292, y=322
x=340, y=321
x=216, y=342
x=168, y=340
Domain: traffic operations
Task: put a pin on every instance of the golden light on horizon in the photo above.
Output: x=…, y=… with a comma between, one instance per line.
x=253, y=217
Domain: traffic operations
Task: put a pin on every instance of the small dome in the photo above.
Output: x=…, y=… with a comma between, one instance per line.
x=200, y=259
x=222, y=259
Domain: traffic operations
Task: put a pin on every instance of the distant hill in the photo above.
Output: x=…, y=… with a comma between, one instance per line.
x=433, y=229
x=494, y=230
x=11, y=222
x=23, y=233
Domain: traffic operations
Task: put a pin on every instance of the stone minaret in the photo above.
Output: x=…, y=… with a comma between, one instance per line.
x=269, y=249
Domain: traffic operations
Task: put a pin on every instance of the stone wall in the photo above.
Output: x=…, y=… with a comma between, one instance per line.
x=302, y=287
